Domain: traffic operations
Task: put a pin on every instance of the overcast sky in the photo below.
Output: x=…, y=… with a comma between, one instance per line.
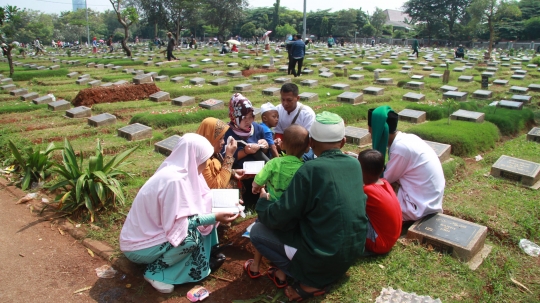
x=57, y=6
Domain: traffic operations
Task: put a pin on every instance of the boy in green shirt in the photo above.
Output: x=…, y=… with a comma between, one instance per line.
x=277, y=174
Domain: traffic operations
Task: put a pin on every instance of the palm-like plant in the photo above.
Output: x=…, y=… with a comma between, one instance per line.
x=36, y=165
x=93, y=187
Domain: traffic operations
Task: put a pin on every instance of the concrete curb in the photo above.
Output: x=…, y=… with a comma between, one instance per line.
x=102, y=249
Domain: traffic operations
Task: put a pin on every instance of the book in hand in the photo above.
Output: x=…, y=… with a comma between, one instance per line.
x=226, y=201
x=253, y=167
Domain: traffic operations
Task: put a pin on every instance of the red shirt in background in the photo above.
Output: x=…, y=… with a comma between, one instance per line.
x=384, y=213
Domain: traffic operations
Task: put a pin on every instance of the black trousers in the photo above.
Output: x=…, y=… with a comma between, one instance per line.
x=170, y=55
x=293, y=63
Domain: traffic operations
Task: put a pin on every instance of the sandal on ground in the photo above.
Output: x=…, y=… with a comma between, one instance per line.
x=271, y=273
x=251, y=274
x=304, y=294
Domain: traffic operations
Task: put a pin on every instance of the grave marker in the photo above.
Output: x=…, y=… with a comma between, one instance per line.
x=243, y=88
x=377, y=91
x=534, y=134
x=102, y=120
x=500, y=82
x=483, y=94
x=414, y=85
x=341, y=86
x=465, y=78
x=183, y=101
x=94, y=83
x=518, y=90
x=177, y=79
x=8, y=87
x=309, y=97
x=350, y=97
x=384, y=81
x=219, y=81
x=29, y=96
x=458, y=96
x=162, y=78
x=43, y=100
x=442, y=150
x=459, y=238
x=414, y=97
x=356, y=77
x=18, y=92
x=534, y=87
x=260, y=78
x=510, y=104
x=271, y=91
x=135, y=132
x=357, y=136
x=326, y=75
x=160, y=96
x=142, y=78
x=413, y=116
x=166, y=146
x=212, y=104
x=282, y=80
x=526, y=172
x=196, y=81
x=465, y=115
x=79, y=112
x=59, y=105
x=521, y=98
x=309, y=83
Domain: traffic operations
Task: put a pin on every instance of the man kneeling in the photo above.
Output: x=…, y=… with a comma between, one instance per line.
x=382, y=206
x=317, y=229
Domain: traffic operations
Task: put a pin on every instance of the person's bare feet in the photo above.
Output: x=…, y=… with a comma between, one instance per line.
x=254, y=267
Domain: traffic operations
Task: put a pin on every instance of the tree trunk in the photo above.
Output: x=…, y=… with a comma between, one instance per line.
x=10, y=61
x=491, y=37
x=124, y=41
x=155, y=30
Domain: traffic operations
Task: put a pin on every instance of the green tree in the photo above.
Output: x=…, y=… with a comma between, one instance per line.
x=532, y=28
x=324, y=27
x=345, y=23
x=275, y=16
x=284, y=30
x=127, y=16
x=223, y=15
x=368, y=30
x=377, y=20
x=248, y=30
x=10, y=23
x=428, y=13
x=529, y=8
x=492, y=12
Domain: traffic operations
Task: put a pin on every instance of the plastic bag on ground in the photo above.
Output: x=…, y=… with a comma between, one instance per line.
x=106, y=272
x=27, y=198
x=530, y=248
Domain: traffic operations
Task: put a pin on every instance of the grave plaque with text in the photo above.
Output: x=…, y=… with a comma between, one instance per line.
x=357, y=136
x=526, y=172
x=466, y=115
x=166, y=146
x=442, y=150
x=413, y=116
x=135, y=131
x=459, y=238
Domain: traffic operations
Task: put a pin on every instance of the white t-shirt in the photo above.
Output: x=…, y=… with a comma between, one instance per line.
x=417, y=168
x=305, y=118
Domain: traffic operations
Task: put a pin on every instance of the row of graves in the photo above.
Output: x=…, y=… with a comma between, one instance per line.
x=463, y=239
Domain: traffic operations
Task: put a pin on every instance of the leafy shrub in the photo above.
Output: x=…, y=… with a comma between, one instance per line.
x=509, y=122
x=20, y=108
x=174, y=119
x=36, y=165
x=178, y=71
x=29, y=75
x=93, y=187
x=466, y=138
x=536, y=60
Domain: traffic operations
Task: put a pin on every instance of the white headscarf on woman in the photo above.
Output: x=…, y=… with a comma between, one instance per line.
x=176, y=191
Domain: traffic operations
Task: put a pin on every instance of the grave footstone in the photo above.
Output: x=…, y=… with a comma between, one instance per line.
x=414, y=85
x=29, y=96
x=417, y=77
x=526, y=172
x=260, y=78
x=326, y=75
x=341, y=86
x=458, y=96
x=102, y=120
x=166, y=146
x=459, y=238
x=59, y=105
x=534, y=87
x=94, y=83
x=162, y=78
x=510, y=104
x=448, y=88
x=271, y=91
x=442, y=150
x=8, y=87
x=79, y=112
x=377, y=91
x=177, y=79
x=357, y=136
x=282, y=80
x=234, y=74
x=309, y=83
x=500, y=82
x=245, y=87
x=18, y=92
x=120, y=82
x=160, y=96
x=212, y=104
x=413, y=116
x=350, y=97
x=534, y=134
x=356, y=77
x=135, y=132
x=521, y=98
x=384, y=81
x=517, y=77
x=196, y=81
x=309, y=97
x=482, y=94
x=43, y=100
x=414, y=97
x=466, y=115
x=142, y=78
x=518, y=90
x=219, y=81
x=183, y=101
x=465, y=78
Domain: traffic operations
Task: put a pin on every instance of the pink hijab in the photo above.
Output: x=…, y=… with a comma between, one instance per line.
x=176, y=191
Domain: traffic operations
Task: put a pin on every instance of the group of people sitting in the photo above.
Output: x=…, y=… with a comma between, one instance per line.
x=319, y=209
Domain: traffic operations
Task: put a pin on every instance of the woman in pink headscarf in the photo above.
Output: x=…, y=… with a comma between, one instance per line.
x=170, y=225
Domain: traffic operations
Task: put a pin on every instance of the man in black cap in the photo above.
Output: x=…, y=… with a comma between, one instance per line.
x=412, y=165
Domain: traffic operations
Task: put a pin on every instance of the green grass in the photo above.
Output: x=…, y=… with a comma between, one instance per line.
x=509, y=122
x=32, y=74
x=20, y=108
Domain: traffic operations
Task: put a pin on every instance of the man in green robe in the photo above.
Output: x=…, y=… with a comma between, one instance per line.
x=317, y=229
x=415, y=46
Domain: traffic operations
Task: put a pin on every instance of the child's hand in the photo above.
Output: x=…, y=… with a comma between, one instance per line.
x=239, y=174
x=256, y=188
x=264, y=194
x=226, y=217
x=263, y=144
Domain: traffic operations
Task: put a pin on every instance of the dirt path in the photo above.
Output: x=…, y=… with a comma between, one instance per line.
x=39, y=264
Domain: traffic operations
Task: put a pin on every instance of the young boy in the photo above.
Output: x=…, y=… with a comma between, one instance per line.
x=270, y=117
x=382, y=206
x=277, y=174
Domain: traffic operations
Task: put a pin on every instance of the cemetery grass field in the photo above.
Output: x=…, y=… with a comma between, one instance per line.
x=510, y=210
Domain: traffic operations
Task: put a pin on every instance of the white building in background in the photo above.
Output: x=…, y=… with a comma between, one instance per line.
x=78, y=4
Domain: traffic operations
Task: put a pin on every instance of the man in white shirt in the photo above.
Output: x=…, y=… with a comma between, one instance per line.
x=412, y=165
x=292, y=112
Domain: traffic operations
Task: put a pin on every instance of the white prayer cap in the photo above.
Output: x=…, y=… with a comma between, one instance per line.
x=267, y=107
x=327, y=127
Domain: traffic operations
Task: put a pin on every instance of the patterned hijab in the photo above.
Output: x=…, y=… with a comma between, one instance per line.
x=239, y=108
x=213, y=130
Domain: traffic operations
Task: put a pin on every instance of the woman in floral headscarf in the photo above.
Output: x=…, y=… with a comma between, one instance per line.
x=219, y=170
x=243, y=128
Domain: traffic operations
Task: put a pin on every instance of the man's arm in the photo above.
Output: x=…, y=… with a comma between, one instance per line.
x=395, y=168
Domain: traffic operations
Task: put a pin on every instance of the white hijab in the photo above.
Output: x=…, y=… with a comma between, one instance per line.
x=176, y=191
